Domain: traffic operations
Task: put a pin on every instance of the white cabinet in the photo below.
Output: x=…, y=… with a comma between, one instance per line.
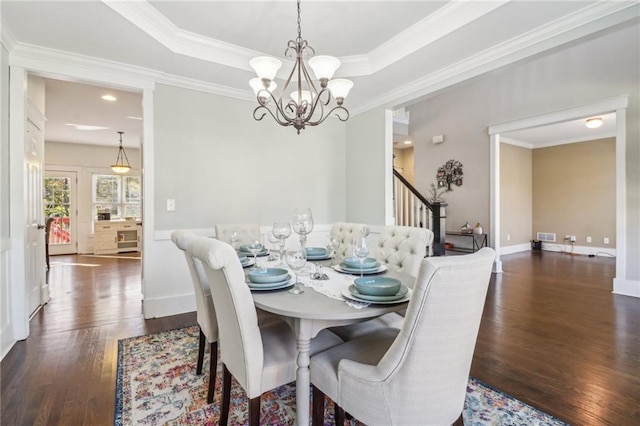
x=116, y=236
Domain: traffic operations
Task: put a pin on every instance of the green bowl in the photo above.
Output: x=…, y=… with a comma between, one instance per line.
x=267, y=275
x=377, y=286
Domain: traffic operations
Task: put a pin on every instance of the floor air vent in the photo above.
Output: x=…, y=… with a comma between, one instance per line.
x=546, y=236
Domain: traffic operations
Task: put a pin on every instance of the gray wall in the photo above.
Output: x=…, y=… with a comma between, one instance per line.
x=222, y=166
x=609, y=65
x=515, y=195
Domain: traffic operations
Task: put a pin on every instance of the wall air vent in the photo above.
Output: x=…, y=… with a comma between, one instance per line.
x=548, y=237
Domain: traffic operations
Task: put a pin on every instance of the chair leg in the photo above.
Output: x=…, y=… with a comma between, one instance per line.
x=213, y=364
x=226, y=396
x=459, y=421
x=339, y=415
x=318, y=406
x=201, y=344
x=254, y=411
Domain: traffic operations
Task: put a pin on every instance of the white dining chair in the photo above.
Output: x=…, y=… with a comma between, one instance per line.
x=244, y=231
x=402, y=248
x=418, y=374
x=205, y=312
x=345, y=232
x=260, y=357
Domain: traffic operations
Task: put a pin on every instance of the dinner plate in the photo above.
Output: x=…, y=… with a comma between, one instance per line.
x=322, y=257
x=248, y=262
x=356, y=271
x=316, y=251
x=272, y=286
x=399, y=295
x=354, y=262
x=242, y=252
x=347, y=294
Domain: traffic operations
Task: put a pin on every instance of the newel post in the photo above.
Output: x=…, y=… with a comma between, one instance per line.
x=439, y=218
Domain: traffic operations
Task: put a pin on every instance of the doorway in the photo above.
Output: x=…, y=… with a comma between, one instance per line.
x=618, y=105
x=60, y=203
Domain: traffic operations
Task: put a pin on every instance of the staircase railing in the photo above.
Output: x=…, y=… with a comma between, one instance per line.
x=413, y=209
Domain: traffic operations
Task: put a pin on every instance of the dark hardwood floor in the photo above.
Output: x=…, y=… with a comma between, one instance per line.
x=552, y=335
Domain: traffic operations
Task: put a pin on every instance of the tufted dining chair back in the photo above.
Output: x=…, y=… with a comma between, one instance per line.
x=205, y=312
x=244, y=230
x=345, y=232
x=402, y=248
x=261, y=356
x=419, y=374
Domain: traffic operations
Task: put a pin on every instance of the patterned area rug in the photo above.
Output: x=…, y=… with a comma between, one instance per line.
x=156, y=384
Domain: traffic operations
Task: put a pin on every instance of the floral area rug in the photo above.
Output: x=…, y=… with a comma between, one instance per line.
x=156, y=384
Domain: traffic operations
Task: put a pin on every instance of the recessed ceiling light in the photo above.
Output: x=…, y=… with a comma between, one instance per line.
x=594, y=123
x=85, y=126
x=407, y=142
x=134, y=118
x=109, y=98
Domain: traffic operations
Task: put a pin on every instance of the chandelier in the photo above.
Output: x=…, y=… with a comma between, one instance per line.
x=120, y=166
x=306, y=105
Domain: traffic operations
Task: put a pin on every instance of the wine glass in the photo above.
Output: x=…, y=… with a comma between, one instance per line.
x=255, y=246
x=273, y=240
x=296, y=260
x=234, y=240
x=282, y=230
x=302, y=224
x=331, y=243
x=361, y=251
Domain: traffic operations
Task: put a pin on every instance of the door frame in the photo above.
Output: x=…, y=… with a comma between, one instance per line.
x=618, y=105
x=19, y=69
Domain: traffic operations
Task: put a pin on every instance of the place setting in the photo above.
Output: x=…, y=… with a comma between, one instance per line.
x=269, y=279
x=377, y=289
x=245, y=261
x=354, y=265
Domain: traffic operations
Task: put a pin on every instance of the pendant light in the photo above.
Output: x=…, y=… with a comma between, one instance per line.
x=120, y=166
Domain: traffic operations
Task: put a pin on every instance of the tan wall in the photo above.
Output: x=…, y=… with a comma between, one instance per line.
x=404, y=164
x=515, y=195
x=574, y=191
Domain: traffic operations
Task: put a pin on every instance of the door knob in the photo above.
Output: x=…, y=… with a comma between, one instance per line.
x=41, y=226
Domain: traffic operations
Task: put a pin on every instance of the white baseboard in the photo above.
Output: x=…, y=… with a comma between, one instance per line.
x=626, y=287
x=6, y=340
x=165, y=306
x=517, y=248
x=584, y=250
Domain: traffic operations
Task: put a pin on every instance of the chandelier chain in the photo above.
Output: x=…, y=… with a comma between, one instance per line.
x=299, y=30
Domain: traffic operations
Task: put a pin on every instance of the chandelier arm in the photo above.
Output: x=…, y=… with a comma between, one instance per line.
x=275, y=116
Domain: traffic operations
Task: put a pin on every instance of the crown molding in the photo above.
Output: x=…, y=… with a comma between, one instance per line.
x=151, y=21
x=6, y=36
x=516, y=142
x=437, y=25
x=87, y=68
x=588, y=20
x=445, y=20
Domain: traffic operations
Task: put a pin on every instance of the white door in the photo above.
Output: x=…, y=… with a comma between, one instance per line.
x=60, y=203
x=34, y=251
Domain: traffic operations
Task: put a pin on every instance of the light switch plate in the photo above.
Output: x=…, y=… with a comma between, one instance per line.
x=171, y=205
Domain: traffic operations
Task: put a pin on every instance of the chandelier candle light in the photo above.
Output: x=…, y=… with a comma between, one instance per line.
x=307, y=105
x=120, y=166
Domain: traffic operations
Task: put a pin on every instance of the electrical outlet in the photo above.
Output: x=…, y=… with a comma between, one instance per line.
x=573, y=238
x=171, y=205
x=606, y=240
x=588, y=239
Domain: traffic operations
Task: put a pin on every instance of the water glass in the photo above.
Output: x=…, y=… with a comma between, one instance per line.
x=296, y=260
x=331, y=243
x=361, y=251
x=255, y=246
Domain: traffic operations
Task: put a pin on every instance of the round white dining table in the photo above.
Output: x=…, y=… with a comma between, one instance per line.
x=309, y=313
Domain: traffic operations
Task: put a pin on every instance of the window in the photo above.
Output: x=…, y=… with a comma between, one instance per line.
x=118, y=195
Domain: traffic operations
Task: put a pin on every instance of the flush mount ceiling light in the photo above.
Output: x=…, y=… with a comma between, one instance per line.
x=120, y=166
x=109, y=98
x=307, y=106
x=85, y=127
x=407, y=142
x=594, y=123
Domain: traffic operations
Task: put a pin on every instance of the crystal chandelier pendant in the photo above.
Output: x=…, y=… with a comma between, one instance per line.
x=311, y=102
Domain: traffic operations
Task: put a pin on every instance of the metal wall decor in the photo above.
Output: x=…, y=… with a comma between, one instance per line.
x=450, y=172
